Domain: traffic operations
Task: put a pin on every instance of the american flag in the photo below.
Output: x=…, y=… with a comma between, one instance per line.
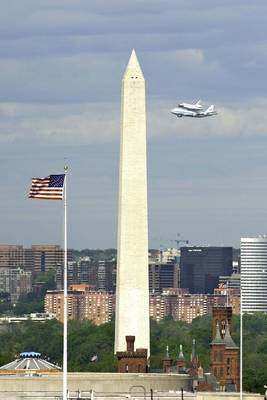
x=51, y=187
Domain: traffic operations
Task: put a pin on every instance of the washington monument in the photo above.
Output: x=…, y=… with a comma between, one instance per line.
x=132, y=295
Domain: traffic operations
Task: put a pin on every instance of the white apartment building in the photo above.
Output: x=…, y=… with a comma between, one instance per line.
x=253, y=253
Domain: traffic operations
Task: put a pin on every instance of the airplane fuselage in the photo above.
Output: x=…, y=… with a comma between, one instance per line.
x=183, y=112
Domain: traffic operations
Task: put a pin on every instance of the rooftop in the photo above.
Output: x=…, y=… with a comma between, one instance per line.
x=29, y=361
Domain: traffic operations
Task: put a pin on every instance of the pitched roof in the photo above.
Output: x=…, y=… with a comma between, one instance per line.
x=229, y=343
x=181, y=354
x=217, y=339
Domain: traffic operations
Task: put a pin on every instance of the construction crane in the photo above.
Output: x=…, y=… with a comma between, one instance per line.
x=178, y=241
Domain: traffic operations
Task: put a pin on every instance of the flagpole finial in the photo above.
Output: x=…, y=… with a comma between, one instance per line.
x=66, y=168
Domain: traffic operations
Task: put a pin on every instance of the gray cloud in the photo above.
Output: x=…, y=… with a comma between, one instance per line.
x=99, y=122
x=61, y=64
x=54, y=51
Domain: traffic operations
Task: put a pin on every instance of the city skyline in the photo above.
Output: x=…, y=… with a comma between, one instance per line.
x=59, y=103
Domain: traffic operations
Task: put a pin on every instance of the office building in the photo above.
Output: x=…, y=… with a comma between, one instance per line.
x=72, y=274
x=16, y=282
x=100, y=273
x=163, y=275
x=231, y=281
x=11, y=256
x=201, y=267
x=86, y=271
x=38, y=258
x=104, y=274
x=254, y=274
x=45, y=258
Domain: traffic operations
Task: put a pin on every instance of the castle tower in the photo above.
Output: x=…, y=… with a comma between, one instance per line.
x=132, y=360
x=217, y=356
x=132, y=296
x=225, y=358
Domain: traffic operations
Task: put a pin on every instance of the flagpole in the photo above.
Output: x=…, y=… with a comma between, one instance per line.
x=241, y=339
x=65, y=321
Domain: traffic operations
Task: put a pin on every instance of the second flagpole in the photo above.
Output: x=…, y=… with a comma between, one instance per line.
x=65, y=321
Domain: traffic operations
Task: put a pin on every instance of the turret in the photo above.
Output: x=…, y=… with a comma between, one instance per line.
x=167, y=362
x=181, y=361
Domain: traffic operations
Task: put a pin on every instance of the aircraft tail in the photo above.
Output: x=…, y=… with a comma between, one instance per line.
x=210, y=109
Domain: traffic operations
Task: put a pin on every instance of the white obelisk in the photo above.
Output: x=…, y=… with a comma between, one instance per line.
x=132, y=294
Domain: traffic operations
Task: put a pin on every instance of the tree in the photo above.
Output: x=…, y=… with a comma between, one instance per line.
x=86, y=339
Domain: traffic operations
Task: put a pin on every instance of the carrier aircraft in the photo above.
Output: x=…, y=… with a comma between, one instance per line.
x=193, y=110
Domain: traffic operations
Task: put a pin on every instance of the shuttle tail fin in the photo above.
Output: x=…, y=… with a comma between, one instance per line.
x=210, y=109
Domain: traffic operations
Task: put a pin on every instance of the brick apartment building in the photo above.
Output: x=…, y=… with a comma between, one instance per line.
x=233, y=296
x=84, y=303
x=184, y=306
x=178, y=304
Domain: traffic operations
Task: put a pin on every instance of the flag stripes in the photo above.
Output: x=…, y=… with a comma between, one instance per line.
x=48, y=188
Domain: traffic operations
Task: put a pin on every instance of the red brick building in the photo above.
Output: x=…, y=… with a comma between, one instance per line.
x=220, y=316
x=224, y=351
x=132, y=360
x=167, y=362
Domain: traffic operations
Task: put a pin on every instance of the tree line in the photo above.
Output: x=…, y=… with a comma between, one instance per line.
x=86, y=340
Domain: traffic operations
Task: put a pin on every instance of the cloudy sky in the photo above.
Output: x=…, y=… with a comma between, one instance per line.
x=61, y=64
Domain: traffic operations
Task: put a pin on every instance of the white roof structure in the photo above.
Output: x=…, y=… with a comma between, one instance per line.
x=29, y=361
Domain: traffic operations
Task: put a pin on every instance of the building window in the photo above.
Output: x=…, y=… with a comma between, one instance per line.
x=223, y=327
